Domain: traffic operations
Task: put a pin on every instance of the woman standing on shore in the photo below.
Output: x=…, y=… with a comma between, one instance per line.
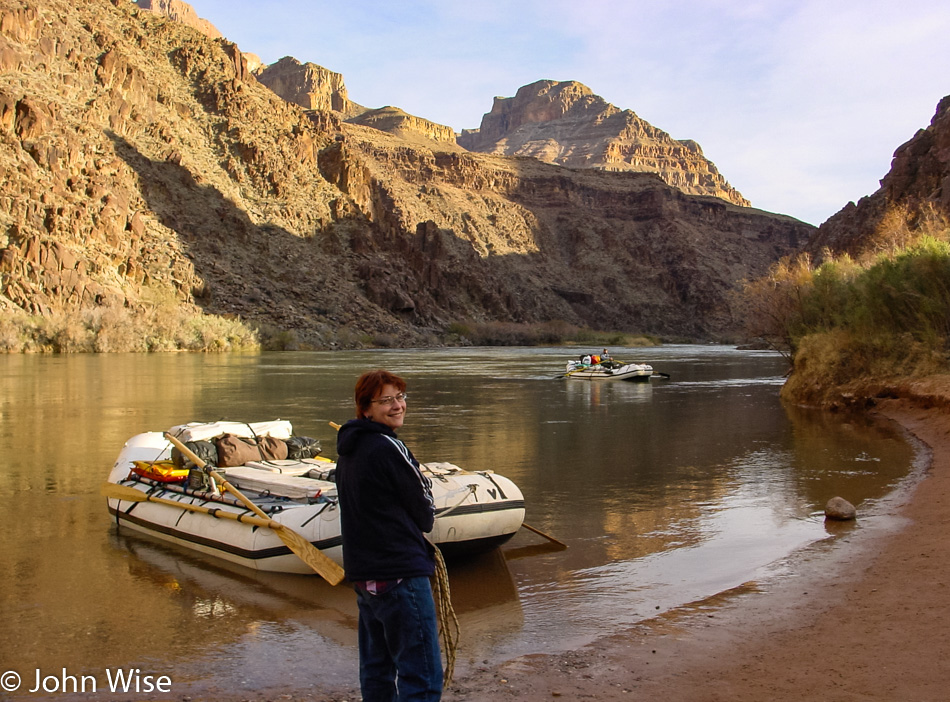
x=386, y=508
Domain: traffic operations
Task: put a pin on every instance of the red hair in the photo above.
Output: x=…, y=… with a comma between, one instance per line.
x=369, y=384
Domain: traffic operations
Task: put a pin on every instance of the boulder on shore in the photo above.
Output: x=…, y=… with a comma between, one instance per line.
x=840, y=510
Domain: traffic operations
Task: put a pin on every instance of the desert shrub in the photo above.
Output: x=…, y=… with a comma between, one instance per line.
x=550, y=333
x=584, y=335
x=642, y=340
x=213, y=333
x=901, y=227
x=774, y=303
x=870, y=318
x=517, y=334
x=829, y=299
x=279, y=339
x=116, y=329
x=499, y=334
x=384, y=341
x=589, y=337
x=63, y=333
x=458, y=329
x=908, y=293
x=14, y=332
x=348, y=338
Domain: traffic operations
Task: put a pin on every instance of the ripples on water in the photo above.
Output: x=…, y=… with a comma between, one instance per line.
x=666, y=492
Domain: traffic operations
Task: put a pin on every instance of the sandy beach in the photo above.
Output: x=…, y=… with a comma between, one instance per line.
x=862, y=616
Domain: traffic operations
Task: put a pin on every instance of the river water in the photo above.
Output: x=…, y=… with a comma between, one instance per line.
x=665, y=492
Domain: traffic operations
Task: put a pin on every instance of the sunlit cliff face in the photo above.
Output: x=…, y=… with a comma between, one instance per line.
x=162, y=170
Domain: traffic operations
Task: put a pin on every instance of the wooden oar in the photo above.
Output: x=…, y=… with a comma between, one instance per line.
x=298, y=544
x=546, y=536
x=322, y=564
x=131, y=494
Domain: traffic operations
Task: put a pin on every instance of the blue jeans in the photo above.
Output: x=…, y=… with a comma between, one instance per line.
x=399, y=644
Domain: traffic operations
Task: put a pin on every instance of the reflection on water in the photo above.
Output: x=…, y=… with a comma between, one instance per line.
x=666, y=492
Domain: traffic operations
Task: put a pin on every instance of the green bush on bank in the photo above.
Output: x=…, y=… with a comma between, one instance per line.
x=845, y=320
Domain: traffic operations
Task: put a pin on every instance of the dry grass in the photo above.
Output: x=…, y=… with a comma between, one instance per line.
x=123, y=330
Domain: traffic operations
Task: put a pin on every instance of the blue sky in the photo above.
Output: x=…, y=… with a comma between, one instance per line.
x=800, y=103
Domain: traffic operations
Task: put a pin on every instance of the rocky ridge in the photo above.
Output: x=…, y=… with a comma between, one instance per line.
x=142, y=161
x=311, y=86
x=914, y=192
x=402, y=124
x=555, y=122
x=182, y=12
x=527, y=241
x=567, y=124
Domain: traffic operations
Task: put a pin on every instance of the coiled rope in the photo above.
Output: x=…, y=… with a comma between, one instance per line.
x=448, y=622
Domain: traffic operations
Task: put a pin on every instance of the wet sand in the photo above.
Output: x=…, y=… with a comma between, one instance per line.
x=863, y=616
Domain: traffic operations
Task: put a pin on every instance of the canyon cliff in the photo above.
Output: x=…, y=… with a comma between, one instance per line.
x=402, y=124
x=564, y=122
x=142, y=161
x=182, y=12
x=311, y=86
x=915, y=192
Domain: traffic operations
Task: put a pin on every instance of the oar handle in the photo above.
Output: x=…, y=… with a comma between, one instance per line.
x=194, y=458
x=130, y=494
x=218, y=478
x=541, y=533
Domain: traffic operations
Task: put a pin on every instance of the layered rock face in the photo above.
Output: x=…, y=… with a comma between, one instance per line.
x=311, y=86
x=316, y=88
x=522, y=240
x=133, y=151
x=180, y=11
x=141, y=162
x=395, y=121
x=565, y=123
x=916, y=189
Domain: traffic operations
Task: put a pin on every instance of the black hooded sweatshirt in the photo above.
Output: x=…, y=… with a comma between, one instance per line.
x=385, y=505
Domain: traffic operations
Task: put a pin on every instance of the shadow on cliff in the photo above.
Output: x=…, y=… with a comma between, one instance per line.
x=613, y=251
x=245, y=269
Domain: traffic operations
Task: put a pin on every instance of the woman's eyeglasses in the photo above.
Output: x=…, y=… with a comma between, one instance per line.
x=388, y=400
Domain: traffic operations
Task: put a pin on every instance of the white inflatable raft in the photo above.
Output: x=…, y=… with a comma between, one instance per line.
x=475, y=511
x=637, y=372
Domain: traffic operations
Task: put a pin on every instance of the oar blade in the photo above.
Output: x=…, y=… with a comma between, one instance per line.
x=323, y=565
x=122, y=492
